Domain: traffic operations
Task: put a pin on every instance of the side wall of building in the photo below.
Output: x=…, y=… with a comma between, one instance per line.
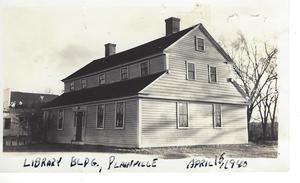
x=109, y=136
x=175, y=84
x=159, y=124
x=156, y=64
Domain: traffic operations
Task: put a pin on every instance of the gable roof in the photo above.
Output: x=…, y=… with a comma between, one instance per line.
x=216, y=44
x=104, y=92
x=144, y=50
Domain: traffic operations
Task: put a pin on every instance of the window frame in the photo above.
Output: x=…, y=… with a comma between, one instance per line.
x=187, y=71
x=84, y=82
x=214, y=117
x=99, y=76
x=123, y=120
x=209, y=74
x=72, y=86
x=62, y=121
x=121, y=74
x=197, y=43
x=148, y=68
x=46, y=115
x=178, y=115
x=5, y=127
x=103, y=118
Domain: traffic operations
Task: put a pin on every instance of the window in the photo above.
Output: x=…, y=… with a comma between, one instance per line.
x=7, y=123
x=120, y=115
x=144, y=68
x=191, y=71
x=212, y=74
x=100, y=116
x=60, y=120
x=45, y=115
x=182, y=111
x=199, y=44
x=124, y=73
x=217, y=113
x=72, y=87
x=101, y=79
x=83, y=83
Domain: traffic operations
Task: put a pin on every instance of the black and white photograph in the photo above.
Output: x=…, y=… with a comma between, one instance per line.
x=162, y=86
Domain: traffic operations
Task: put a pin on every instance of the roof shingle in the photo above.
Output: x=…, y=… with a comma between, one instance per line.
x=109, y=91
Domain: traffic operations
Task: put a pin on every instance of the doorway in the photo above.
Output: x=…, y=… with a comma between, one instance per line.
x=79, y=124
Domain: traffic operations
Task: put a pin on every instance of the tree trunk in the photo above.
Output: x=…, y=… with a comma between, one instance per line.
x=272, y=129
x=249, y=114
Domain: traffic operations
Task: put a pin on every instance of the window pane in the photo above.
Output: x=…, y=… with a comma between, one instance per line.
x=183, y=114
x=200, y=44
x=83, y=83
x=191, y=71
x=191, y=75
x=60, y=120
x=72, y=86
x=124, y=73
x=217, y=115
x=182, y=108
x=101, y=79
x=100, y=116
x=213, y=74
x=119, y=115
x=183, y=121
x=7, y=123
x=144, y=68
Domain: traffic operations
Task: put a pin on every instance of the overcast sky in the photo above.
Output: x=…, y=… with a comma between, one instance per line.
x=43, y=42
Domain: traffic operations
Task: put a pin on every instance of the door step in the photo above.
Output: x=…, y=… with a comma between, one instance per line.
x=77, y=142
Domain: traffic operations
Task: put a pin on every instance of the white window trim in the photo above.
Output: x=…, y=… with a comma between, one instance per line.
x=104, y=74
x=97, y=108
x=209, y=74
x=214, y=120
x=63, y=118
x=72, y=82
x=187, y=70
x=120, y=128
x=177, y=121
x=121, y=73
x=196, y=43
x=148, y=66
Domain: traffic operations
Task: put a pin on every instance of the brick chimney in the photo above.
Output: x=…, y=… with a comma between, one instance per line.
x=110, y=49
x=172, y=25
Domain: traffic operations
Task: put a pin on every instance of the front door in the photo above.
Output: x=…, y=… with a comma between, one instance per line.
x=79, y=123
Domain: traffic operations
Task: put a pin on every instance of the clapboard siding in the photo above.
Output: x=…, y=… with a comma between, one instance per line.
x=110, y=136
x=159, y=126
x=77, y=84
x=113, y=76
x=93, y=81
x=67, y=134
x=176, y=85
x=186, y=46
x=156, y=64
x=134, y=70
x=67, y=87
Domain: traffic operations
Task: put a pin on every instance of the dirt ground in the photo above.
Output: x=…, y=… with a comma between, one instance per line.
x=250, y=150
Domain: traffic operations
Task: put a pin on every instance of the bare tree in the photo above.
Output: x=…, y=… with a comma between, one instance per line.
x=254, y=67
x=273, y=109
